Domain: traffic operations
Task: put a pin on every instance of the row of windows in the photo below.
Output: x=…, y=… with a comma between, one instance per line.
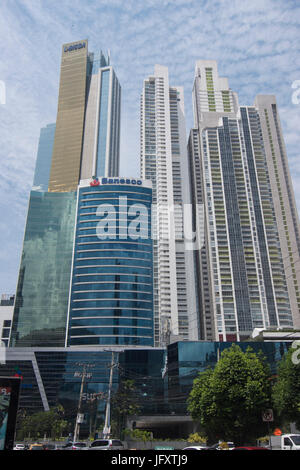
x=119, y=277
x=109, y=268
x=112, y=294
x=111, y=303
x=117, y=312
x=117, y=257
x=111, y=340
x=116, y=286
x=111, y=189
x=110, y=329
x=123, y=244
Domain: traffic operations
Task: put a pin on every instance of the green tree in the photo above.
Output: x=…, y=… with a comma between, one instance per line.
x=43, y=423
x=286, y=390
x=228, y=401
x=125, y=402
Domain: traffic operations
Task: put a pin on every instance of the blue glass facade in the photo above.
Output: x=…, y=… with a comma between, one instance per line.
x=112, y=293
x=44, y=157
x=163, y=378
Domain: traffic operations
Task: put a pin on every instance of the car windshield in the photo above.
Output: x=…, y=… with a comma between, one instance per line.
x=80, y=444
x=99, y=443
x=296, y=439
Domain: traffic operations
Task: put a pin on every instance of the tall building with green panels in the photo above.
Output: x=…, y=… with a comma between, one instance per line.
x=241, y=277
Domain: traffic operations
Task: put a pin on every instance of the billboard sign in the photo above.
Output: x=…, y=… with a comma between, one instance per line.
x=9, y=400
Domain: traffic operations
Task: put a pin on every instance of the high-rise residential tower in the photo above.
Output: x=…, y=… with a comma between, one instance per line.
x=283, y=197
x=164, y=161
x=241, y=276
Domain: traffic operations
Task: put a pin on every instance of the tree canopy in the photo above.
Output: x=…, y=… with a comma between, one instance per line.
x=286, y=391
x=228, y=401
x=50, y=423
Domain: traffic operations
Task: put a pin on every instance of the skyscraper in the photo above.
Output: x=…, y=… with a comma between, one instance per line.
x=164, y=161
x=87, y=135
x=111, y=295
x=83, y=143
x=241, y=277
x=44, y=158
x=283, y=196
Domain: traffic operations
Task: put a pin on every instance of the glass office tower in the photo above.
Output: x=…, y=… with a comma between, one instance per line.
x=84, y=141
x=44, y=157
x=87, y=136
x=44, y=278
x=112, y=292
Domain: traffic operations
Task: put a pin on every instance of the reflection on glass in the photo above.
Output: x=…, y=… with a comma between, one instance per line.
x=43, y=287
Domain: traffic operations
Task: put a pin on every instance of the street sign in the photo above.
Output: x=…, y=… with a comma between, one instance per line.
x=267, y=416
x=80, y=418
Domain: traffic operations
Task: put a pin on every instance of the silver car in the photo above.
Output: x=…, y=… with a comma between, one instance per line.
x=107, y=444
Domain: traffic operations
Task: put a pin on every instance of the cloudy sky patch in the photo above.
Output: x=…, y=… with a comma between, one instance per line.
x=255, y=43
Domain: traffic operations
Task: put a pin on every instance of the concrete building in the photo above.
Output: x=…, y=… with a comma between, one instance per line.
x=6, y=315
x=242, y=280
x=283, y=196
x=164, y=162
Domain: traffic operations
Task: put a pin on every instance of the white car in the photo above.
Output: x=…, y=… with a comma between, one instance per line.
x=19, y=447
x=195, y=448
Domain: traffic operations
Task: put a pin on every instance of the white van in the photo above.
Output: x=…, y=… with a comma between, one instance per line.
x=286, y=442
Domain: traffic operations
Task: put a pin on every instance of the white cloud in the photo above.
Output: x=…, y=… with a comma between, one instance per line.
x=255, y=44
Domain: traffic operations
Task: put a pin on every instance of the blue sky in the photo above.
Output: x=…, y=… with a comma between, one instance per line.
x=255, y=43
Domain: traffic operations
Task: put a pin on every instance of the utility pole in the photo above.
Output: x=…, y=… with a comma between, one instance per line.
x=79, y=417
x=106, y=429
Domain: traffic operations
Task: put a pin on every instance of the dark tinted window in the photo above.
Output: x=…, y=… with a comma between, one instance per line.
x=99, y=443
x=117, y=443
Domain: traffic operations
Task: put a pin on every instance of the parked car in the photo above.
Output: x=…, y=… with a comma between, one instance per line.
x=219, y=446
x=78, y=446
x=107, y=444
x=195, y=448
x=250, y=448
x=20, y=447
x=36, y=446
x=48, y=446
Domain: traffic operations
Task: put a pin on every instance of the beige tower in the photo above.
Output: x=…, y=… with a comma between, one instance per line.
x=67, y=149
x=283, y=196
